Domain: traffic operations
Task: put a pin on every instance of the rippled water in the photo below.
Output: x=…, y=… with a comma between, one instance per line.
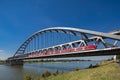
x=36, y=69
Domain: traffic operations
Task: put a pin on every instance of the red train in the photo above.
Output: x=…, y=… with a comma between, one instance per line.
x=83, y=48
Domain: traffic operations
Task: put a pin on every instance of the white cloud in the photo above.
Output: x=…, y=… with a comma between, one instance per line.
x=1, y=51
x=3, y=55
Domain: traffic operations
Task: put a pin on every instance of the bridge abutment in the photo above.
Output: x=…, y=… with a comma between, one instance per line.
x=15, y=62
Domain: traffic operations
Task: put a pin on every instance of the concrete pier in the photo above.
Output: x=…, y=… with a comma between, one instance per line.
x=15, y=62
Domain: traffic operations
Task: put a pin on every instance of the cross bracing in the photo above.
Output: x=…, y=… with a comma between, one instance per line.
x=61, y=38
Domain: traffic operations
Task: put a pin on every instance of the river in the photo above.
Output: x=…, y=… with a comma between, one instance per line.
x=37, y=69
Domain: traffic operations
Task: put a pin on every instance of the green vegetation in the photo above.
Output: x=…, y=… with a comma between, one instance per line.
x=107, y=70
x=28, y=77
x=46, y=74
x=2, y=62
x=118, y=57
x=56, y=73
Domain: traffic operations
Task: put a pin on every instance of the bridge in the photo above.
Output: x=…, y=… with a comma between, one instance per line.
x=59, y=42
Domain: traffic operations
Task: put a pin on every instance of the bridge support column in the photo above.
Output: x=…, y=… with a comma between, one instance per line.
x=115, y=57
x=15, y=62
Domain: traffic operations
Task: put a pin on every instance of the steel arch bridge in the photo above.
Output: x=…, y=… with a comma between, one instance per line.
x=68, y=42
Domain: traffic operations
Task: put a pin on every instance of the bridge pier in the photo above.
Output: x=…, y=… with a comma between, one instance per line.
x=115, y=57
x=15, y=62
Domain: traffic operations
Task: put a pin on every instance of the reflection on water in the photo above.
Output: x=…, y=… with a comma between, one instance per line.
x=36, y=69
x=11, y=73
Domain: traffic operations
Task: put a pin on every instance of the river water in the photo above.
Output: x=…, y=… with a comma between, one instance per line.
x=37, y=69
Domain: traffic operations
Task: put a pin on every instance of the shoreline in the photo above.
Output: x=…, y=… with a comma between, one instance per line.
x=107, y=70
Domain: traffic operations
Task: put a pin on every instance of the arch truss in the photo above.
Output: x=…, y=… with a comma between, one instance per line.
x=61, y=38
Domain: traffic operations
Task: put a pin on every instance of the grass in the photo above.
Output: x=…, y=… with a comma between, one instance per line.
x=2, y=62
x=106, y=71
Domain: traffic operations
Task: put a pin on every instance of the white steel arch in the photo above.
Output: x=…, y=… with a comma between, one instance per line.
x=22, y=48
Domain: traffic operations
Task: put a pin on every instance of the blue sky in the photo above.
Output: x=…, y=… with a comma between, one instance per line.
x=21, y=18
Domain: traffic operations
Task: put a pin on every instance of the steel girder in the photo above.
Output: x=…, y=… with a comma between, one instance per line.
x=98, y=37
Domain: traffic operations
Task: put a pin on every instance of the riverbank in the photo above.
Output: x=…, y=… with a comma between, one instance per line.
x=2, y=62
x=108, y=70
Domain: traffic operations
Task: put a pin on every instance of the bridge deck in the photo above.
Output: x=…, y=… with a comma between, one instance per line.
x=97, y=52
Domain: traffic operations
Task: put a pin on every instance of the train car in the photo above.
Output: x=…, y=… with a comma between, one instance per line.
x=82, y=48
x=90, y=47
x=57, y=51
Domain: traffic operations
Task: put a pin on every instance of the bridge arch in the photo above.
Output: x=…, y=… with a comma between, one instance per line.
x=83, y=34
